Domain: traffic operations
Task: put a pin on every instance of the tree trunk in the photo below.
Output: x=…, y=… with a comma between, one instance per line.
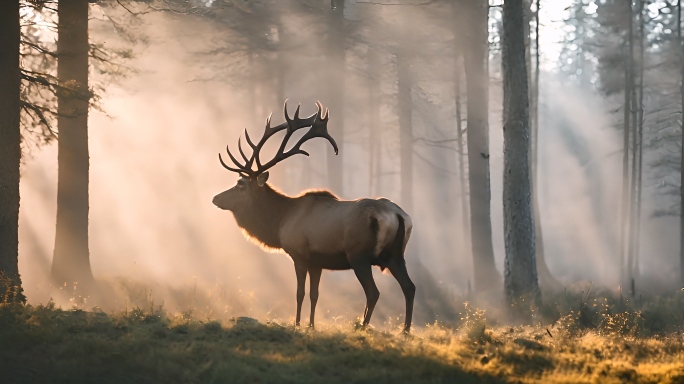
x=278, y=69
x=520, y=269
x=71, y=261
x=405, y=131
x=626, y=198
x=635, y=139
x=546, y=279
x=640, y=139
x=336, y=78
x=462, y=160
x=374, y=122
x=477, y=91
x=10, y=152
x=459, y=46
x=681, y=169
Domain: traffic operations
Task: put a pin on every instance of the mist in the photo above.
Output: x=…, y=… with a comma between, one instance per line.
x=155, y=236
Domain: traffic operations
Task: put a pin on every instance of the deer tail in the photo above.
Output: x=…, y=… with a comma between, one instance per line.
x=398, y=246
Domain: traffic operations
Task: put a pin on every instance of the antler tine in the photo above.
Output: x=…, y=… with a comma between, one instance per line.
x=234, y=160
x=249, y=141
x=287, y=116
x=297, y=112
x=240, y=171
x=241, y=152
x=317, y=122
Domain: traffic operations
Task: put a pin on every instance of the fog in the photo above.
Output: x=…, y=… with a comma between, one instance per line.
x=156, y=237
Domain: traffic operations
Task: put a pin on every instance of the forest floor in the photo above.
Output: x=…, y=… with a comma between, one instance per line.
x=44, y=344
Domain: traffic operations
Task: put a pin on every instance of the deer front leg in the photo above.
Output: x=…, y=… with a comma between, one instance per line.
x=315, y=275
x=301, y=281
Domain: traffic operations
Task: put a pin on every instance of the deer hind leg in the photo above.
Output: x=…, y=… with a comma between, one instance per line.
x=365, y=275
x=301, y=281
x=315, y=275
x=398, y=268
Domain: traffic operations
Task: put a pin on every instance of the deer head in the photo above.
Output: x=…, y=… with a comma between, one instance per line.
x=253, y=173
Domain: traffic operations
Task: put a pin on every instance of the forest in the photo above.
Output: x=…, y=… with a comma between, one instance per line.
x=513, y=168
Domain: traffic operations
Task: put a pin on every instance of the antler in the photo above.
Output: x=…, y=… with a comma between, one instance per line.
x=319, y=128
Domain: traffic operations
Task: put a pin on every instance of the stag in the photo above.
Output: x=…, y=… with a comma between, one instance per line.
x=316, y=229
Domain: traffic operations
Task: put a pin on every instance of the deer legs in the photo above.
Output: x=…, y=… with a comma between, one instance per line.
x=365, y=275
x=301, y=281
x=315, y=275
x=398, y=269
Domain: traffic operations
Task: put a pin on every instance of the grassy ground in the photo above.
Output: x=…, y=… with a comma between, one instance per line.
x=43, y=344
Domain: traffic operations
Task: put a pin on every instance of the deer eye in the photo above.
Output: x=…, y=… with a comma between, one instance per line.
x=240, y=186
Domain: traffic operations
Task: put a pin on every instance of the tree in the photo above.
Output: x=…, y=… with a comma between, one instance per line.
x=629, y=84
x=520, y=269
x=10, y=149
x=336, y=77
x=71, y=261
x=546, y=279
x=459, y=54
x=681, y=125
x=477, y=94
x=405, y=129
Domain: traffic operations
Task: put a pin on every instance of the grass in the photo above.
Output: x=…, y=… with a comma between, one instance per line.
x=591, y=343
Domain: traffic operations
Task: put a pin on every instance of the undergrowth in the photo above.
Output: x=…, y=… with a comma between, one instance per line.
x=571, y=338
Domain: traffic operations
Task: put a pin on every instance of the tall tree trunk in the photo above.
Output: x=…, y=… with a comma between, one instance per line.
x=336, y=78
x=681, y=169
x=635, y=138
x=626, y=198
x=640, y=146
x=374, y=122
x=477, y=91
x=520, y=269
x=71, y=262
x=278, y=69
x=405, y=131
x=465, y=245
x=10, y=151
x=546, y=279
x=462, y=160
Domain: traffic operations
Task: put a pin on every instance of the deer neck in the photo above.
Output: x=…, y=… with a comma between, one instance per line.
x=261, y=219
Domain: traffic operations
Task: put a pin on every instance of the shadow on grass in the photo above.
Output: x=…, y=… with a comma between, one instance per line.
x=48, y=345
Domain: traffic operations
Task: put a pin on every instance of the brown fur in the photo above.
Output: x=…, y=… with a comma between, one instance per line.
x=320, y=193
x=319, y=231
x=261, y=217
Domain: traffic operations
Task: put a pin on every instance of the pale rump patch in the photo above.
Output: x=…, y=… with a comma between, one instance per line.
x=387, y=231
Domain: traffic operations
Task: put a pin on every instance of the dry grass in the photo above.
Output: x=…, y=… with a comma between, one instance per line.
x=44, y=344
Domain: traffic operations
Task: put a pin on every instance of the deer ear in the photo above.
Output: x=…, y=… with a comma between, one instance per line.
x=261, y=179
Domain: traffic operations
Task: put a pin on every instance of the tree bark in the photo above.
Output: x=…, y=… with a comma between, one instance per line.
x=546, y=278
x=640, y=144
x=634, y=108
x=405, y=131
x=520, y=269
x=71, y=262
x=336, y=96
x=374, y=123
x=477, y=92
x=626, y=198
x=681, y=169
x=10, y=151
x=465, y=245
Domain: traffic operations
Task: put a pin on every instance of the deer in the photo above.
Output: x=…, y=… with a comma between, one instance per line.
x=317, y=229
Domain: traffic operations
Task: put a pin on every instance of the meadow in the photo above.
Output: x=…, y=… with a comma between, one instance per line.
x=575, y=339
